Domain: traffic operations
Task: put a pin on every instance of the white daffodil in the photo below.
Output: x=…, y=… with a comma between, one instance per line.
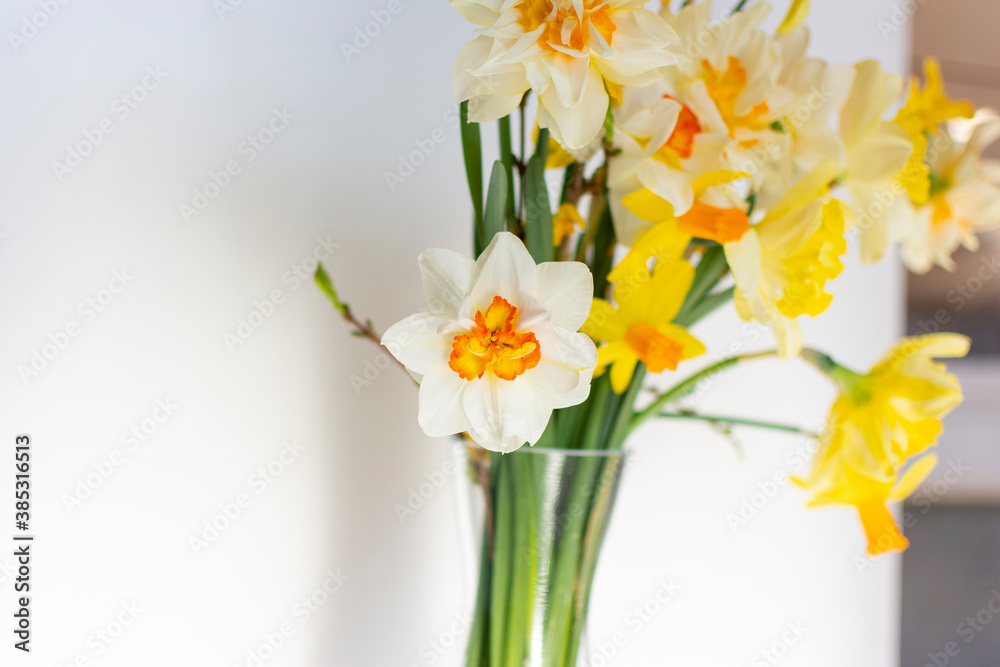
x=500, y=347
x=730, y=80
x=964, y=196
x=658, y=145
x=565, y=51
x=877, y=157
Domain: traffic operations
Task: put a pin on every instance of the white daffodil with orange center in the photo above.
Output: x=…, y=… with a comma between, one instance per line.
x=659, y=145
x=500, y=347
x=730, y=81
x=874, y=449
x=567, y=52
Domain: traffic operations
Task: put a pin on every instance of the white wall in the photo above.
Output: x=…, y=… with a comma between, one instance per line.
x=162, y=337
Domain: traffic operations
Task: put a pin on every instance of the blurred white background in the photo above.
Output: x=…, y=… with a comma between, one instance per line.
x=118, y=301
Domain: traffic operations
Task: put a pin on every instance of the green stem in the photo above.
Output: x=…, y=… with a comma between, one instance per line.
x=739, y=7
x=736, y=421
x=686, y=387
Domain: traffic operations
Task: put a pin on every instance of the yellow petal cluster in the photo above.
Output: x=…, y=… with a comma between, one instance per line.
x=641, y=327
x=874, y=448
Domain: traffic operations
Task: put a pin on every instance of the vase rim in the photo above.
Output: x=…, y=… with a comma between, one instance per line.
x=616, y=453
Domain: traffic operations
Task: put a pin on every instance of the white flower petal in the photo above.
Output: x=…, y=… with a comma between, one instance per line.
x=446, y=276
x=480, y=12
x=643, y=43
x=566, y=291
x=569, y=78
x=440, y=409
x=504, y=269
x=575, y=127
x=422, y=342
x=505, y=414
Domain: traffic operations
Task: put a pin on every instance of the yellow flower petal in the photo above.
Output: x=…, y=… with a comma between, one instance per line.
x=913, y=477
x=796, y=16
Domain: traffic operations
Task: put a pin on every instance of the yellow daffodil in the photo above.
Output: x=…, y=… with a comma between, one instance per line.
x=499, y=348
x=927, y=108
x=921, y=117
x=565, y=223
x=641, y=328
x=781, y=266
x=668, y=235
x=964, y=199
x=874, y=449
x=567, y=52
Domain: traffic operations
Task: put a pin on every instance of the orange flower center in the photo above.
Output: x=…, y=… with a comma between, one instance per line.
x=564, y=27
x=493, y=345
x=723, y=225
x=725, y=88
x=681, y=141
x=657, y=351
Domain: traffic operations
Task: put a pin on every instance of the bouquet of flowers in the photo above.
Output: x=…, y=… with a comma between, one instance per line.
x=702, y=164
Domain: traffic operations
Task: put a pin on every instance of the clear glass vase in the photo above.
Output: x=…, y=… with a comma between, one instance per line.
x=544, y=520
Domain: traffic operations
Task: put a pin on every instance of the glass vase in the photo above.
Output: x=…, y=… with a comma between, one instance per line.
x=544, y=520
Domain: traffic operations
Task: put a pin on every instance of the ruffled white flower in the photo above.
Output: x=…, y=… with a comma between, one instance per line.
x=500, y=347
x=965, y=195
x=659, y=145
x=563, y=50
x=730, y=80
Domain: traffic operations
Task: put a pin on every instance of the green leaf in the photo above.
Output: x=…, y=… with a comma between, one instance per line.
x=503, y=560
x=537, y=209
x=507, y=156
x=495, y=218
x=711, y=267
x=473, y=153
x=706, y=307
x=604, y=246
x=326, y=286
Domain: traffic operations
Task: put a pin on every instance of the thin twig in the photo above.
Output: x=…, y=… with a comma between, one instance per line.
x=718, y=420
x=361, y=329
